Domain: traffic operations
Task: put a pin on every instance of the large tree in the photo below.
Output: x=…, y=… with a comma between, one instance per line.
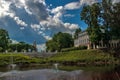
x=111, y=17
x=77, y=31
x=60, y=41
x=115, y=21
x=103, y=21
x=4, y=39
x=90, y=14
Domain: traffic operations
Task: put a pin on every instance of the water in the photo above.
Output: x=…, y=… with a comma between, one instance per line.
x=64, y=73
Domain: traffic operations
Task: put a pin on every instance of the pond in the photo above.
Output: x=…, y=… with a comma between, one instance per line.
x=61, y=73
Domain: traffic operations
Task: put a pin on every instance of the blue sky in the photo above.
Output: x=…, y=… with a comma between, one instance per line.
x=29, y=20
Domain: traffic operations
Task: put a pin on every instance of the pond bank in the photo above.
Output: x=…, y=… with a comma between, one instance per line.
x=78, y=58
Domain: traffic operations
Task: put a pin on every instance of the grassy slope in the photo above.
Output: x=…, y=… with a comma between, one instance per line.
x=83, y=56
x=74, y=57
x=6, y=59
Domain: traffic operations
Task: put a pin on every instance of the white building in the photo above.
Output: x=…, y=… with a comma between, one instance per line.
x=82, y=40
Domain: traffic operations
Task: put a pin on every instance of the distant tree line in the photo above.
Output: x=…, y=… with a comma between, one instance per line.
x=7, y=45
x=103, y=21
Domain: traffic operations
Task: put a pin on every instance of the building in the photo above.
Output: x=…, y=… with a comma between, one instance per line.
x=35, y=46
x=82, y=40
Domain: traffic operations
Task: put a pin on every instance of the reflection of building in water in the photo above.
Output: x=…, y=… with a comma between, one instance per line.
x=84, y=40
x=35, y=46
x=106, y=76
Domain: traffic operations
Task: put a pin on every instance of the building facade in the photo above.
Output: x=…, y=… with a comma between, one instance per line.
x=82, y=40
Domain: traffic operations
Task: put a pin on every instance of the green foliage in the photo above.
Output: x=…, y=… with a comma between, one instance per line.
x=20, y=47
x=4, y=39
x=83, y=56
x=115, y=21
x=103, y=21
x=90, y=14
x=60, y=41
x=76, y=33
x=5, y=59
x=1, y=49
x=52, y=45
x=74, y=48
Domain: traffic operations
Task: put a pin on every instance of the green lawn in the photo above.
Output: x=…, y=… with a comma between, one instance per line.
x=17, y=58
x=68, y=58
x=84, y=56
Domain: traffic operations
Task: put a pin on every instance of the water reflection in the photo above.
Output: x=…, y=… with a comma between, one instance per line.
x=50, y=74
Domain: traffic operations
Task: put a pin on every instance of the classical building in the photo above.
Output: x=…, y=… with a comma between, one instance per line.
x=82, y=40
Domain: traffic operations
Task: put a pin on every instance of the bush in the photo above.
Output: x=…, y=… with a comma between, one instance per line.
x=83, y=56
x=6, y=59
x=74, y=48
x=1, y=49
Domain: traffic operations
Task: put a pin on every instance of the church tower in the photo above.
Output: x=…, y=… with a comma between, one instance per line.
x=35, y=46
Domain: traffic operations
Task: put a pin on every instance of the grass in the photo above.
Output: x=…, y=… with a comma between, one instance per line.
x=6, y=59
x=83, y=56
x=78, y=57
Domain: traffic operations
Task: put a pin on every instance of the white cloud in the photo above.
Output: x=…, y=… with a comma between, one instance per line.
x=14, y=41
x=39, y=10
x=40, y=32
x=20, y=22
x=88, y=2
x=57, y=9
x=4, y=8
x=72, y=5
x=6, y=11
x=71, y=26
x=41, y=47
x=47, y=37
x=36, y=27
x=69, y=15
x=22, y=28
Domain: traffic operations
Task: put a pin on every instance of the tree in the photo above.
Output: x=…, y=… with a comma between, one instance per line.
x=90, y=14
x=4, y=39
x=52, y=46
x=76, y=33
x=60, y=41
x=20, y=47
x=111, y=17
x=115, y=21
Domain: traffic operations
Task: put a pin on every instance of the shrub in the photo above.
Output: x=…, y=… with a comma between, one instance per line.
x=74, y=48
x=1, y=49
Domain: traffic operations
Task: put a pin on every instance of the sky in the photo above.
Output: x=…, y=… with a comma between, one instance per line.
x=39, y=20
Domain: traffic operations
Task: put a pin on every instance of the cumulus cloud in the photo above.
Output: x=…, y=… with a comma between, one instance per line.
x=88, y=2
x=14, y=41
x=36, y=27
x=57, y=9
x=38, y=8
x=6, y=11
x=45, y=22
x=54, y=24
x=41, y=47
x=72, y=5
x=69, y=15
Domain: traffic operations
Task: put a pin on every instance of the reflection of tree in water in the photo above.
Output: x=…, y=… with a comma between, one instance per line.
x=109, y=75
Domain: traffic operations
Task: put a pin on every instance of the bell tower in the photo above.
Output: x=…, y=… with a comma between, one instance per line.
x=35, y=46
